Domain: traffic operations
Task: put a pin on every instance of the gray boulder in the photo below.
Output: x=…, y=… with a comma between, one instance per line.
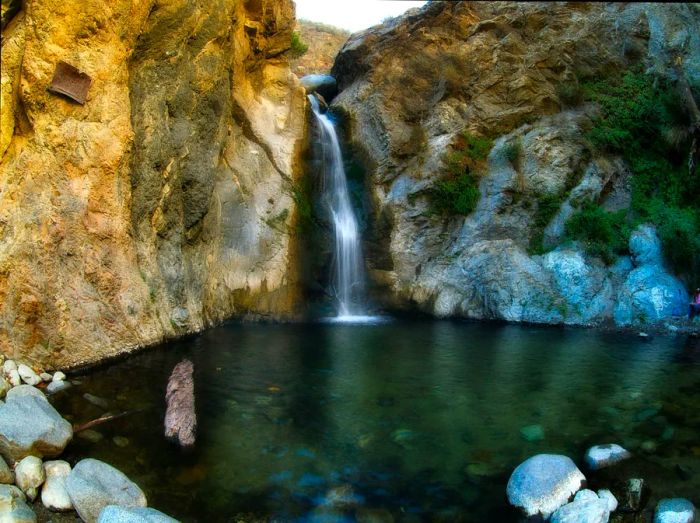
x=323, y=84
x=24, y=390
x=115, y=514
x=583, y=510
x=28, y=375
x=54, y=495
x=29, y=425
x=93, y=484
x=674, y=510
x=649, y=293
x=601, y=456
x=30, y=475
x=13, y=508
x=543, y=483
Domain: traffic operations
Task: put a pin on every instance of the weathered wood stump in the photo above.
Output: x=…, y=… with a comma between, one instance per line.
x=180, y=416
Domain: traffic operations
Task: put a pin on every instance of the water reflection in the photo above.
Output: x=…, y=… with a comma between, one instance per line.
x=423, y=418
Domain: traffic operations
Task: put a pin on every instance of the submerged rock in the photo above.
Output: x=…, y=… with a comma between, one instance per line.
x=543, y=483
x=601, y=456
x=675, y=510
x=532, y=433
x=116, y=514
x=93, y=484
x=635, y=495
x=29, y=425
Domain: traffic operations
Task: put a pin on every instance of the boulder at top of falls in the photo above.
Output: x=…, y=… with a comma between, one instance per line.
x=543, y=483
x=601, y=456
x=324, y=84
x=675, y=510
x=30, y=426
x=93, y=484
x=115, y=514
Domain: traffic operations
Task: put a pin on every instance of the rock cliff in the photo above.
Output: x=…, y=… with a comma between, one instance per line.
x=163, y=203
x=410, y=88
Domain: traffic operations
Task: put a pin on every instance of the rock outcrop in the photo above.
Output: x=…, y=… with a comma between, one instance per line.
x=163, y=203
x=411, y=87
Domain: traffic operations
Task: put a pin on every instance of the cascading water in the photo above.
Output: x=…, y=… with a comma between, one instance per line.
x=348, y=270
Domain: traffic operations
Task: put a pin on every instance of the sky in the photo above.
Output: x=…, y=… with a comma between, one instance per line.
x=353, y=15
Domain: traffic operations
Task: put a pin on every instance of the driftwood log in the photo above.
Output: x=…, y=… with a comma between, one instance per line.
x=180, y=416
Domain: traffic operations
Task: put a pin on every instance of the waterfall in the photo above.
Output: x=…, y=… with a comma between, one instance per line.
x=348, y=271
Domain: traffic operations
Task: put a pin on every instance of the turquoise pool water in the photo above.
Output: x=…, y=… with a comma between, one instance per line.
x=396, y=421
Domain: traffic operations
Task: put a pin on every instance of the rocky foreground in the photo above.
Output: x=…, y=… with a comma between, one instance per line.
x=32, y=430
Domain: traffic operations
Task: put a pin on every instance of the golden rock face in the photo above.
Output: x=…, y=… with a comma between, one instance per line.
x=148, y=211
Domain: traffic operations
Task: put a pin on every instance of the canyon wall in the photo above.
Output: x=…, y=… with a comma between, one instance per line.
x=414, y=86
x=164, y=203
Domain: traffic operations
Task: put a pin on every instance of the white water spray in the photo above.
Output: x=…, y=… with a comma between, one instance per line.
x=348, y=271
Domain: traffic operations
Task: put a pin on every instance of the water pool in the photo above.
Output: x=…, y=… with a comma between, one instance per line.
x=392, y=421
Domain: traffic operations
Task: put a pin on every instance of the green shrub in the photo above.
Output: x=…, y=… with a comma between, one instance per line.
x=643, y=119
x=455, y=195
x=301, y=194
x=604, y=234
x=458, y=192
x=570, y=94
x=547, y=207
x=513, y=151
x=297, y=46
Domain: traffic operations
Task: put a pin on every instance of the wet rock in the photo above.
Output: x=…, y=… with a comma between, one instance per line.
x=6, y=474
x=532, y=433
x=57, y=386
x=674, y=510
x=584, y=510
x=634, y=495
x=28, y=375
x=93, y=484
x=58, y=376
x=601, y=456
x=14, y=378
x=90, y=435
x=54, y=495
x=8, y=366
x=120, y=441
x=96, y=401
x=45, y=377
x=29, y=476
x=29, y=425
x=13, y=508
x=585, y=495
x=683, y=471
x=180, y=416
x=116, y=514
x=543, y=483
x=609, y=498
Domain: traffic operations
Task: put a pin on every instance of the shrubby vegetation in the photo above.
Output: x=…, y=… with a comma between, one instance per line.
x=297, y=46
x=458, y=192
x=644, y=120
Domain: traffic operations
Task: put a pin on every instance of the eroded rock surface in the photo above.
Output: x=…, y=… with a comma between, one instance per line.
x=409, y=88
x=163, y=203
